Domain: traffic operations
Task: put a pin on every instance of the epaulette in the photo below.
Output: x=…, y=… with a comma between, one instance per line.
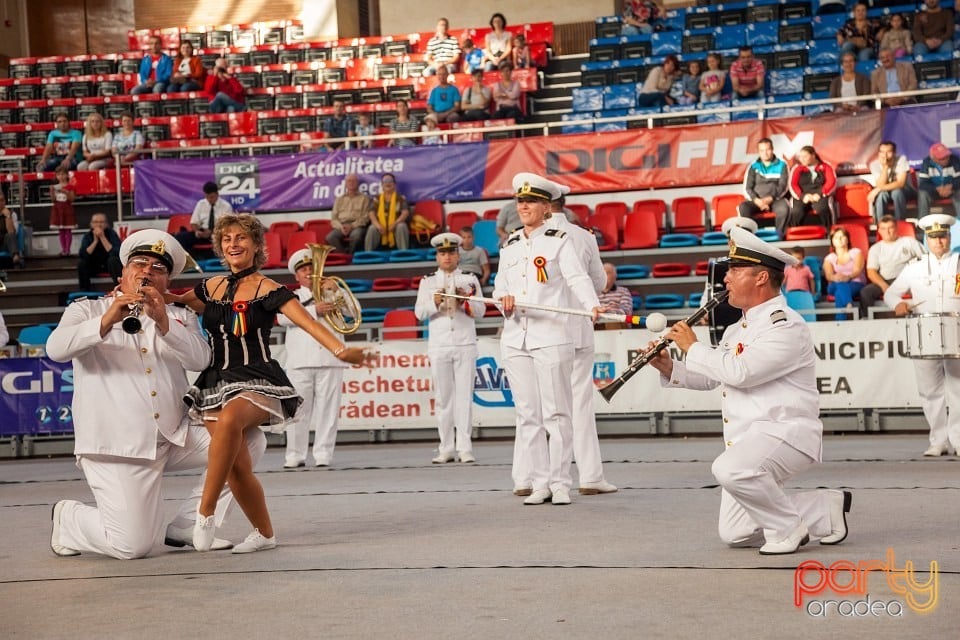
x=778, y=315
x=557, y=233
x=514, y=235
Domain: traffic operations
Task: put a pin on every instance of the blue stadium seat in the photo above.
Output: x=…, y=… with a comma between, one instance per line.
x=714, y=238
x=407, y=255
x=664, y=301
x=585, y=127
x=370, y=257
x=212, y=264
x=693, y=300
x=619, y=96
x=33, y=340
x=673, y=20
x=785, y=81
x=374, y=314
x=866, y=67
x=814, y=109
x=784, y=112
x=825, y=26
x=760, y=33
x=632, y=271
x=768, y=234
x=802, y=301
x=750, y=114
x=587, y=98
x=637, y=301
x=713, y=117
x=823, y=51
x=817, y=268
x=485, y=235
x=666, y=42
x=614, y=125
x=679, y=240
x=730, y=36
x=359, y=285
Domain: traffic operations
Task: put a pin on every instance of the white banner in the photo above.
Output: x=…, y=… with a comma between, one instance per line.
x=861, y=364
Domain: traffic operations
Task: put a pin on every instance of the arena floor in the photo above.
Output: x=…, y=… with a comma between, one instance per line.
x=385, y=544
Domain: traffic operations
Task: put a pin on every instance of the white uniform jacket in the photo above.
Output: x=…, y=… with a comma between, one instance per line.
x=766, y=368
x=585, y=244
x=127, y=388
x=454, y=330
x=550, y=253
x=933, y=284
x=302, y=350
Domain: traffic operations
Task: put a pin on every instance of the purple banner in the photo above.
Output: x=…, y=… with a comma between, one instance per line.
x=310, y=181
x=37, y=396
x=914, y=129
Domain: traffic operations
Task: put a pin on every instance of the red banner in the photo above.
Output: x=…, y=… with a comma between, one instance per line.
x=678, y=156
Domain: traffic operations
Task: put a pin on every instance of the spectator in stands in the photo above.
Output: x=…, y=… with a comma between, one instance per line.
x=506, y=95
x=205, y=214
x=798, y=277
x=404, y=123
x=812, y=183
x=691, y=84
x=443, y=51
x=655, y=91
x=224, y=90
x=933, y=29
x=476, y=98
x=444, y=101
x=431, y=131
x=473, y=259
x=349, y=217
x=339, y=125
x=892, y=77
x=850, y=84
x=62, y=148
x=897, y=37
x=747, y=75
x=885, y=260
x=63, y=218
x=8, y=234
x=766, y=183
x=712, y=80
x=189, y=74
x=614, y=298
x=938, y=179
x=363, y=130
x=859, y=34
x=99, y=252
x=388, y=215
x=890, y=184
x=155, y=69
x=520, y=52
x=843, y=269
x=472, y=57
x=638, y=16
x=127, y=141
x=508, y=220
x=96, y=146
x=498, y=44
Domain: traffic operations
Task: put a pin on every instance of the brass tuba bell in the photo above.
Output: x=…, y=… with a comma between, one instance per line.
x=345, y=303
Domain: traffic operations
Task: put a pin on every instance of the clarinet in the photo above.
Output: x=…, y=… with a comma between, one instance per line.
x=608, y=390
x=131, y=322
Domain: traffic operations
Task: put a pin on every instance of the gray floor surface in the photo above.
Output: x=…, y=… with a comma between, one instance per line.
x=384, y=544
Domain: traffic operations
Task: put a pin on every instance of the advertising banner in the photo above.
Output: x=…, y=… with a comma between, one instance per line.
x=36, y=396
x=917, y=127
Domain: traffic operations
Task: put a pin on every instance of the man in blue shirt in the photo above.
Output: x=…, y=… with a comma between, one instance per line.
x=938, y=179
x=155, y=70
x=444, y=101
x=62, y=148
x=339, y=125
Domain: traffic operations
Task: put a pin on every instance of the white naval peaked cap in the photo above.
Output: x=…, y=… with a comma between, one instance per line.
x=739, y=221
x=563, y=188
x=157, y=243
x=747, y=249
x=298, y=259
x=530, y=185
x=446, y=241
x=936, y=225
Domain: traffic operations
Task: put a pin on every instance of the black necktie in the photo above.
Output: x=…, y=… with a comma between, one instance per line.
x=210, y=219
x=233, y=281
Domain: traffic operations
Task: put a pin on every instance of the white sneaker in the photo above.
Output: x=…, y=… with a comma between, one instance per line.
x=177, y=537
x=203, y=532
x=255, y=542
x=935, y=450
x=561, y=496
x=443, y=458
x=593, y=488
x=539, y=497
x=55, y=545
x=294, y=464
x=839, y=509
x=466, y=456
x=790, y=544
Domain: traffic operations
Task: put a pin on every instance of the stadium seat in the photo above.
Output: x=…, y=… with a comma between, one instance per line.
x=300, y=239
x=491, y=214
x=632, y=271
x=407, y=255
x=582, y=211
x=716, y=238
x=178, y=221
x=274, y=249
x=670, y=270
x=817, y=268
x=664, y=301
x=858, y=236
x=640, y=231
x=702, y=268
x=285, y=229
x=460, y=219
x=359, y=285
x=802, y=301
x=805, y=232
x=321, y=227
x=400, y=324
x=485, y=236
x=375, y=314
x=768, y=234
x=688, y=215
x=338, y=259
x=694, y=299
x=607, y=225
x=616, y=209
x=212, y=265
x=852, y=205
x=679, y=240
x=390, y=284
x=908, y=229
x=371, y=257
x=431, y=210
x=33, y=341
x=724, y=206
x=658, y=208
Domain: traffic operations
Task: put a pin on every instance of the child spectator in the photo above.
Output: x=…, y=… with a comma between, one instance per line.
x=473, y=259
x=711, y=81
x=520, y=52
x=62, y=216
x=431, y=128
x=798, y=277
x=897, y=38
x=363, y=130
x=691, y=84
x=472, y=57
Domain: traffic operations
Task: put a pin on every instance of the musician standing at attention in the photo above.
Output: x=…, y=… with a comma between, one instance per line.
x=933, y=281
x=537, y=265
x=765, y=366
x=130, y=424
x=452, y=346
x=315, y=373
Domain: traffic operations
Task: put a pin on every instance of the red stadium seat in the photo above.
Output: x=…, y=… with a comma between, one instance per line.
x=657, y=208
x=607, y=225
x=906, y=229
x=806, y=232
x=321, y=227
x=460, y=219
x=670, y=270
x=400, y=324
x=338, y=259
x=640, y=231
x=688, y=215
x=491, y=214
x=852, y=205
x=702, y=268
x=284, y=229
x=415, y=282
x=178, y=221
x=390, y=284
x=724, y=206
x=274, y=249
x=617, y=209
x=582, y=211
x=858, y=236
x=300, y=239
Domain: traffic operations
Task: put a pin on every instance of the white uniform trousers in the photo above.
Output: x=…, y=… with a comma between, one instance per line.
x=586, y=444
x=128, y=518
x=938, y=382
x=542, y=397
x=753, y=505
x=320, y=388
x=454, y=370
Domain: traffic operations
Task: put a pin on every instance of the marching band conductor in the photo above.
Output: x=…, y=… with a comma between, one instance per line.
x=537, y=264
x=765, y=366
x=130, y=421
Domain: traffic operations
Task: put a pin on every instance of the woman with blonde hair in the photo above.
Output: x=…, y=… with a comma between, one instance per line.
x=96, y=145
x=244, y=387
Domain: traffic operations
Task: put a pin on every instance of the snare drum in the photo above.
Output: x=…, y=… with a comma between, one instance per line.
x=933, y=336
